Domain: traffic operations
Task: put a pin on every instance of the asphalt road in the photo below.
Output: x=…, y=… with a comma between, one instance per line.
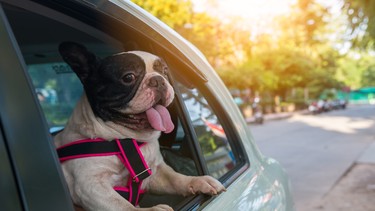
x=317, y=150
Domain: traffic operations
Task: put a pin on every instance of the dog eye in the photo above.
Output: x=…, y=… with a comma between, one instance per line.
x=128, y=78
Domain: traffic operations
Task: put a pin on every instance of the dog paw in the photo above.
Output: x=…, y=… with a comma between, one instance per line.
x=161, y=207
x=205, y=184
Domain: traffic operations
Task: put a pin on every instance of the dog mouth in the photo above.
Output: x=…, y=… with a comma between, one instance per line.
x=156, y=117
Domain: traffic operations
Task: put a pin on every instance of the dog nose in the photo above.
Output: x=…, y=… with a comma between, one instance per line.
x=156, y=81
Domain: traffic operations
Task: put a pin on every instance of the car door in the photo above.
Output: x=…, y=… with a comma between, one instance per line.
x=9, y=195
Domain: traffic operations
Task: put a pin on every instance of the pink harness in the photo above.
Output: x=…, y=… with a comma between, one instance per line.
x=127, y=150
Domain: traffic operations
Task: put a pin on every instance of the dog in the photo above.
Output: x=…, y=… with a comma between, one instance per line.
x=125, y=96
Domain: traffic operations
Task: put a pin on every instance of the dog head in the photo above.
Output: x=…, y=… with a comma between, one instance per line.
x=130, y=88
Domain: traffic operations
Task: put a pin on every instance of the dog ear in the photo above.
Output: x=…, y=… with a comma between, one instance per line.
x=79, y=59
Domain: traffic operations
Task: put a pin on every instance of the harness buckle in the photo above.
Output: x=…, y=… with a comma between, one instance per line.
x=144, y=171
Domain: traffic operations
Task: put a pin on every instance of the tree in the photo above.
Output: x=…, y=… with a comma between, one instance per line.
x=222, y=44
x=297, y=56
x=306, y=24
x=355, y=69
x=361, y=18
x=368, y=77
x=173, y=13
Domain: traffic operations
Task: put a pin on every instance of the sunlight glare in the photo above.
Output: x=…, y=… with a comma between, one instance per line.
x=255, y=9
x=254, y=14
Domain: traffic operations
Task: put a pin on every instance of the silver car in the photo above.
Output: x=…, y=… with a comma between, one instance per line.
x=38, y=92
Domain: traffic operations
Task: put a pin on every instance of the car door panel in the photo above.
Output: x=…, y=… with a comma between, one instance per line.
x=34, y=163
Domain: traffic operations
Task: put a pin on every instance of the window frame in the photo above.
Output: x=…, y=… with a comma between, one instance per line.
x=228, y=178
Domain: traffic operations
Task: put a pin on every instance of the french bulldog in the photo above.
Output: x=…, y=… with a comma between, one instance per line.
x=125, y=96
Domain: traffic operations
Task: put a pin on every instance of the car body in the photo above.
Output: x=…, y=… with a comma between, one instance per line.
x=38, y=92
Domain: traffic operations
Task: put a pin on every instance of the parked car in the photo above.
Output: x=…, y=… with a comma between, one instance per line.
x=339, y=104
x=210, y=138
x=316, y=107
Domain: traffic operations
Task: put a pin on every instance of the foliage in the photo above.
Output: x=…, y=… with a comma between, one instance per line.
x=368, y=76
x=361, y=18
x=217, y=47
x=173, y=13
x=299, y=57
x=355, y=70
x=305, y=25
x=222, y=44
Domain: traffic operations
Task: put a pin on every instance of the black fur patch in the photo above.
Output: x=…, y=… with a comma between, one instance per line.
x=105, y=88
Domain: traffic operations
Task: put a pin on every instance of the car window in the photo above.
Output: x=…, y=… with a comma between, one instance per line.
x=55, y=84
x=200, y=143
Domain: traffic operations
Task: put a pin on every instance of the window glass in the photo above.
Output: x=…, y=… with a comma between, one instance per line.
x=210, y=133
x=57, y=89
x=177, y=152
x=55, y=84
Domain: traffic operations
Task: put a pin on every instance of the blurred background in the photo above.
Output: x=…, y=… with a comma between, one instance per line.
x=309, y=64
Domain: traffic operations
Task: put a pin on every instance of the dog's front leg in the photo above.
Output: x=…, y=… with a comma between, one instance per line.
x=166, y=180
x=96, y=195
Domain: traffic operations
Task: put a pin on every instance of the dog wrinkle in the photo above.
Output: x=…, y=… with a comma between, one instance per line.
x=144, y=102
x=149, y=98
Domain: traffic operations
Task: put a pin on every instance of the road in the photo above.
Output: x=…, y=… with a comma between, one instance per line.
x=317, y=150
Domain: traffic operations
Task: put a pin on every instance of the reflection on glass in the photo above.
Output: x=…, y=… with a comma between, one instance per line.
x=57, y=89
x=212, y=138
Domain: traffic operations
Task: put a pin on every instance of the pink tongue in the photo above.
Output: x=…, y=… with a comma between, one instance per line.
x=160, y=119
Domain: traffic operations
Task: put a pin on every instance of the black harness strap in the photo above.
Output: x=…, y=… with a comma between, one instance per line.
x=127, y=151
x=81, y=149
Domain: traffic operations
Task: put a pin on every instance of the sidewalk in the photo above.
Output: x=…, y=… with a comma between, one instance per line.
x=277, y=116
x=355, y=190
x=368, y=156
